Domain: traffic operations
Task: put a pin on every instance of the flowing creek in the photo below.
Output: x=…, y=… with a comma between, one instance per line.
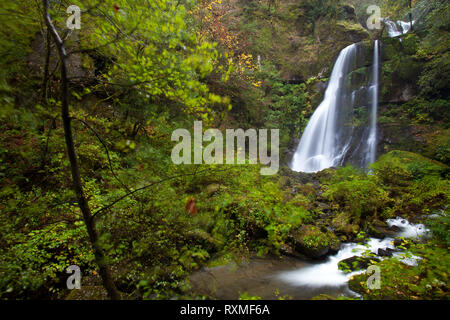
x=273, y=277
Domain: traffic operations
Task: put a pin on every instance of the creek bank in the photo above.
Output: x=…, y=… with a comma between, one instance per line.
x=296, y=277
x=256, y=277
x=353, y=258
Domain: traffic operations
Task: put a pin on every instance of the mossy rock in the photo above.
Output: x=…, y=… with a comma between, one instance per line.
x=352, y=30
x=314, y=243
x=380, y=231
x=284, y=182
x=342, y=224
x=358, y=283
x=356, y=263
x=416, y=164
x=333, y=242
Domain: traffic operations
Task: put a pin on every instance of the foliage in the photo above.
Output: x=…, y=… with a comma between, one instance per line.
x=359, y=195
x=154, y=52
x=156, y=66
x=247, y=296
x=429, y=280
x=440, y=227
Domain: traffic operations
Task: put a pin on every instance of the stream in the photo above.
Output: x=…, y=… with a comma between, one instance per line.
x=273, y=277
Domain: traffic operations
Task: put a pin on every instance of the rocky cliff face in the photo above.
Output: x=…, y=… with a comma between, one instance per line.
x=298, y=44
x=303, y=49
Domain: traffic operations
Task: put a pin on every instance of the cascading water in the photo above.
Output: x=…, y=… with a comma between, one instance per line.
x=330, y=138
x=392, y=27
x=372, y=141
x=327, y=273
x=320, y=146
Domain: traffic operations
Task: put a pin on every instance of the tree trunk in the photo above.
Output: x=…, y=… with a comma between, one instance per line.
x=104, y=271
x=46, y=67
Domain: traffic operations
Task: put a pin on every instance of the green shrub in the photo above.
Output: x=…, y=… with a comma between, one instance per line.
x=359, y=195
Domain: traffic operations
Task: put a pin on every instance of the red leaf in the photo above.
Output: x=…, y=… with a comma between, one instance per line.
x=190, y=206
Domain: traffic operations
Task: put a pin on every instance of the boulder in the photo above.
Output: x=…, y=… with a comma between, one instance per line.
x=341, y=223
x=385, y=252
x=381, y=232
x=356, y=263
x=311, y=242
x=333, y=242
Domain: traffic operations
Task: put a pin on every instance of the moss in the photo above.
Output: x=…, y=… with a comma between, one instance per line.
x=315, y=243
x=418, y=165
x=342, y=224
x=427, y=280
x=323, y=297
x=311, y=241
x=356, y=263
x=359, y=195
x=333, y=242
x=88, y=293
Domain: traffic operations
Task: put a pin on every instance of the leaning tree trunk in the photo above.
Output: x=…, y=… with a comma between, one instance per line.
x=77, y=185
x=46, y=67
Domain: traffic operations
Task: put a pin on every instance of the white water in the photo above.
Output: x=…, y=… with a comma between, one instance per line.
x=372, y=141
x=393, y=27
x=327, y=274
x=408, y=230
x=329, y=138
x=318, y=149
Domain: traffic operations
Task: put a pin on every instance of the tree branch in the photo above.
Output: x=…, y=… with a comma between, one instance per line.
x=104, y=271
x=146, y=187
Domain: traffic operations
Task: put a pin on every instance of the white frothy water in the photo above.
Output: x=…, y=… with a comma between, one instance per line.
x=327, y=274
x=329, y=138
x=372, y=141
x=318, y=148
x=393, y=29
x=406, y=26
x=408, y=230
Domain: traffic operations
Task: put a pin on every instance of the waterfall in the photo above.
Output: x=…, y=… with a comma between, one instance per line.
x=393, y=27
x=406, y=26
x=372, y=141
x=327, y=273
x=320, y=146
x=330, y=138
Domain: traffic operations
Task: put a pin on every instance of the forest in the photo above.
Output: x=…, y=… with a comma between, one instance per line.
x=336, y=187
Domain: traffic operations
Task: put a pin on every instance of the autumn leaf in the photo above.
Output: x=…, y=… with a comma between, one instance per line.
x=190, y=206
